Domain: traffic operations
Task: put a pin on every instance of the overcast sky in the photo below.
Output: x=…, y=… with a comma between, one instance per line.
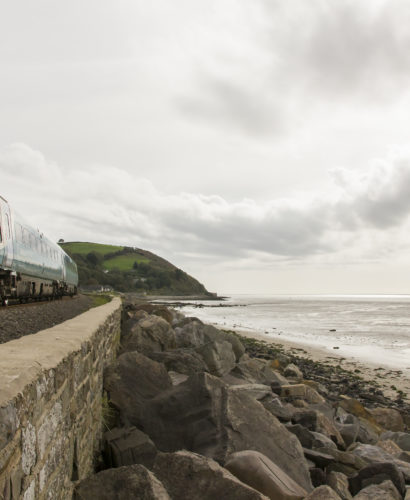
x=263, y=146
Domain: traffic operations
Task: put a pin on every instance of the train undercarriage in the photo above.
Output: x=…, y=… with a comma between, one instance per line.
x=17, y=286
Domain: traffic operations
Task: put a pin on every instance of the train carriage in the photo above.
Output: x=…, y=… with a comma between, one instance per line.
x=31, y=265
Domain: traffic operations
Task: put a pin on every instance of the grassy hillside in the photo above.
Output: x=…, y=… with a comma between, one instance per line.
x=130, y=270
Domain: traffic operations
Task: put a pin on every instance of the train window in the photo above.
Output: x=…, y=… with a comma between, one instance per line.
x=8, y=226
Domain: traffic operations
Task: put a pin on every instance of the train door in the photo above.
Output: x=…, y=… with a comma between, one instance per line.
x=7, y=248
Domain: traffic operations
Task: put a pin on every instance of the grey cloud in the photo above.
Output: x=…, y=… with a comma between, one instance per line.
x=345, y=46
x=234, y=104
x=122, y=209
x=316, y=52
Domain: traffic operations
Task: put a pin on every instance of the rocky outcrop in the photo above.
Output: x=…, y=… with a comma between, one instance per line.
x=197, y=408
x=206, y=416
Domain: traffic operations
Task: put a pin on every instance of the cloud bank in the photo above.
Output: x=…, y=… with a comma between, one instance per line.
x=362, y=214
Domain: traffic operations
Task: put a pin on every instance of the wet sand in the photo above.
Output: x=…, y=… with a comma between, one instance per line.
x=382, y=373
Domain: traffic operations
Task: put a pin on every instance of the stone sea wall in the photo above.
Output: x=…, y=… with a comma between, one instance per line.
x=51, y=404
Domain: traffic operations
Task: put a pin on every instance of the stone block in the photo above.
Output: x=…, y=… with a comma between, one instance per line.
x=52, y=420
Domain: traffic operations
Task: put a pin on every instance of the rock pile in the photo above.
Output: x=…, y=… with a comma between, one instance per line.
x=194, y=416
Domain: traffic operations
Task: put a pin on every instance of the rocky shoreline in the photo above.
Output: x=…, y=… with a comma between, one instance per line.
x=193, y=412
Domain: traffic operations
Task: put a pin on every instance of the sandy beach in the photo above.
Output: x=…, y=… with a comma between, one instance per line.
x=391, y=381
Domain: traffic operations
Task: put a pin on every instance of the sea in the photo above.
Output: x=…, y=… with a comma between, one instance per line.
x=368, y=328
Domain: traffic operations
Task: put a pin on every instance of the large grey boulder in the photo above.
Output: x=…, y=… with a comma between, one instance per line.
x=185, y=361
x=187, y=475
x=194, y=334
x=402, y=439
x=256, y=470
x=383, y=491
x=131, y=380
x=218, y=356
x=123, y=483
x=127, y=446
x=374, y=454
x=376, y=474
x=205, y=416
x=147, y=335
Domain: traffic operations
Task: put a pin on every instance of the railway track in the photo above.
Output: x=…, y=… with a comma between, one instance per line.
x=31, y=302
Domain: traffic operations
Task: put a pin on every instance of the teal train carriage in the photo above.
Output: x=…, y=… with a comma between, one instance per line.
x=31, y=266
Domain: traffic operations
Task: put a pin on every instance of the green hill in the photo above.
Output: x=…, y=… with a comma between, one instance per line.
x=130, y=270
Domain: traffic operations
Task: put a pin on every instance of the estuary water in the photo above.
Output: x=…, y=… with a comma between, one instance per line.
x=369, y=328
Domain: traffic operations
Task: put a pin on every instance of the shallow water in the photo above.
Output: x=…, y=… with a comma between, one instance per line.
x=368, y=328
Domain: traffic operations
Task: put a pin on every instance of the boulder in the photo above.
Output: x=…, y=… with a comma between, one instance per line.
x=206, y=416
x=256, y=391
x=385, y=490
x=304, y=435
x=320, y=459
x=131, y=380
x=148, y=335
x=349, y=432
x=127, y=446
x=376, y=474
x=322, y=441
x=340, y=484
x=367, y=433
x=157, y=310
x=123, y=483
x=390, y=447
x=192, y=476
x=194, y=334
x=258, y=371
x=309, y=439
x=307, y=418
x=373, y=454
x=275, y=406
x=388, y=418
x=323, y=493
x=346, y=462
x=369, y=429
x=257, y=471
x=301, y=391
x=325, y=426
x=218, y=357
x=181, y=361
x=402, y=439
x=292, y=371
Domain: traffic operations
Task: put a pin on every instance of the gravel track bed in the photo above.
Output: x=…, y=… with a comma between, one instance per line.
x=16, y=322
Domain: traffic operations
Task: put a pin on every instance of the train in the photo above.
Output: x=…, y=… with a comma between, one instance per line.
x=31, y=265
